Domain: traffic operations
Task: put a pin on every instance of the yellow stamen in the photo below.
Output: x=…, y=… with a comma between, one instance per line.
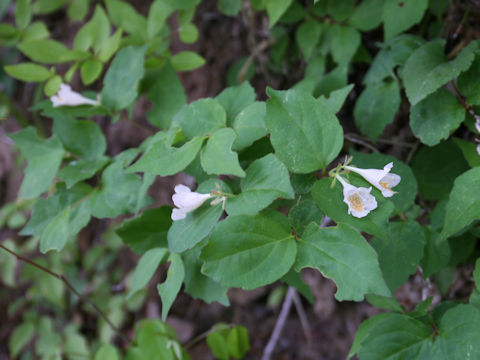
x=384, y=185
x=355, y=202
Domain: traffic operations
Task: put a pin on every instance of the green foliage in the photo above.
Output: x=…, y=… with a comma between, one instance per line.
x=333, y=251
x=436, y=116
x=234, y=259
x=259, y=156
x=122, y=78
x=43, y=157
x=304, y=132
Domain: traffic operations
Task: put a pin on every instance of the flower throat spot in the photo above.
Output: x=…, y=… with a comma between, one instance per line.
x=355, y=202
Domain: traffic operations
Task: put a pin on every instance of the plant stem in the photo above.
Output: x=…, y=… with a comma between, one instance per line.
x=70, y=287
x=277, y=330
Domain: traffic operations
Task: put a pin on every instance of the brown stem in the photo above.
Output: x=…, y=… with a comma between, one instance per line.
x=69, y=286
x=257, y=51
x=463, y=102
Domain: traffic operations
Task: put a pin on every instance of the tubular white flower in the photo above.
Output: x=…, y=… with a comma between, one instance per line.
x=67, y=97
x=359, y=200
x=186, y=200
x=477, y=123
x=381, y=179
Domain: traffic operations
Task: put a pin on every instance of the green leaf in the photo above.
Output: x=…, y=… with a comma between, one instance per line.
x=376, y=108
x=78, y=9
x=34, y=31
x=467, y=84
x=436, y=169
x=120, y=85
x=79, y=170
x=294, y=279
x=394, y=52
x=406, y=189
x=107, y=352
x=436, y=254
x=47, y=6
x=307, y=37
x=52, y=85
x=400, y=253
x=464, y=202
x=147, y=231
x=249, y=125
x=238, y=342
x=363, y=331
x=235, y=99
x=396, y=337
x=124, y=16
x=118, y=194
x=110, y=46
x=187, y=61
x=168, y=97
x=28, y=72
x=186, y=233
x=146, y=267
x=304, y=213
x=427, y=69
x=90, y=71
x=45, y=210
x=20, y=337
x=230, y=7
x=23, y=13
x=169, y=289
x=275, y=9
x=337, y=98
x=188, y=33
x=45, y=51
x=304, y=132
x=197, y=284
x=343, y=255
x=457, y=334
x=241, y=247
x=56, y=233
x=43, y=157
x=367, y=15
x=217, y=343
x=266, y=180
x=164, y=160
x=436, y=116
x=217, y=156
x=469, y=151
x=330, y=201
x=476, y=273
x=159, y=12
x=384, y=302
x=344, y=42
x=69, y=130
x=201, y=117
x=401, y=15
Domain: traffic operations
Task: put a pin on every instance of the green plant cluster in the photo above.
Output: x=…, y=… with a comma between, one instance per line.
x=265, y=204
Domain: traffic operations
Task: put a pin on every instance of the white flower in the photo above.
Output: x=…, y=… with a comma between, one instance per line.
x=186, y=200
x=478, y=149
x=381, y=179
x=359, y=200
x=67, y=97
x=477, y=123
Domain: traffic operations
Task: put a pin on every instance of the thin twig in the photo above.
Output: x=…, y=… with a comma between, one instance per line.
x=412, y=152
x=303, y=318
x=277, y=330
x=463, y=102
x=69, y=286
x=361, y=142
x=383, y=141
x=257, y=51
x=203, y=336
